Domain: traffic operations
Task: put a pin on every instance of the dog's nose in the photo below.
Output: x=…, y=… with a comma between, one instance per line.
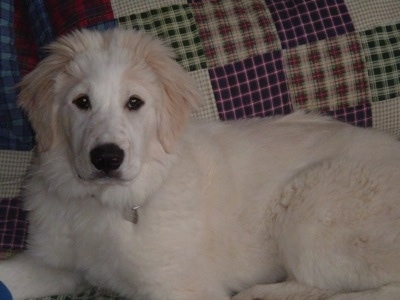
x=107, y=157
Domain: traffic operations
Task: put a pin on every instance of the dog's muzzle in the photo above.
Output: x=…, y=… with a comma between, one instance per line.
x=107, y=158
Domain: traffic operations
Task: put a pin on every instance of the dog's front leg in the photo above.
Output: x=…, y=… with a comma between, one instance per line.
x=27, y=278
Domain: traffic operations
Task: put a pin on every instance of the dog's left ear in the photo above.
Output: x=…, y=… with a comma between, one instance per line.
x=181, y=96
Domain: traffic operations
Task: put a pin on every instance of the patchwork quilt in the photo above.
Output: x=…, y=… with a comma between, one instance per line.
x=250, y=58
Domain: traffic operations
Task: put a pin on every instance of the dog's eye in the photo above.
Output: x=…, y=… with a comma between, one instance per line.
x=134, y=103
x=82, y=102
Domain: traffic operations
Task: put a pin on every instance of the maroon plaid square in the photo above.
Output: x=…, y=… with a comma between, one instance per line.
x=328, y=74
x=252, y=87
x=301, y=22
x=13, y=224
x=234, y=30
x=67, y=15
x=25, y=44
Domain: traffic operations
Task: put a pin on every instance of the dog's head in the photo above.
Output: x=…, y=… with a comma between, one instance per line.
x=109, y=98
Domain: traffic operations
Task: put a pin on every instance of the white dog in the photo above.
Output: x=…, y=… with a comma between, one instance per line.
x=125, y=195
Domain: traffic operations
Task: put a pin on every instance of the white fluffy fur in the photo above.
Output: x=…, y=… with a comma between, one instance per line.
x=299, y=207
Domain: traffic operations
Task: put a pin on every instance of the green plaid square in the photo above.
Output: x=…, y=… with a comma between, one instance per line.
x=368, y=14
x=327, y=75
x=382, y=54
x=14, y=165
x=176, y=25
x=386, y=116
x=208, y=109
x=123, y=8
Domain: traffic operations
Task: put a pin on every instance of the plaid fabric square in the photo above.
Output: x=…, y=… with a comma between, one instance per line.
x=301, y=22
x=15, y=132
x=359, y=115
x=382, y=51
x=123, y=8
x=13, y=224
x=175, y=24
x=367, y=14
x=386, y=116
x=68, y=15
x=329, y=74
x=208, y=109
x=254, y=87
x=235, y=30
x=14, y=165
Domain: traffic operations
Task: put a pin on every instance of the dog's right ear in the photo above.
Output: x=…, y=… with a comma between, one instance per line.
x=36, y=99
x=36, y=95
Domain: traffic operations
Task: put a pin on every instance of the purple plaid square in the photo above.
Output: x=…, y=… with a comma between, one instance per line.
x=303, y=21
x=254, y=87
x=13, y=224
x=359, y=115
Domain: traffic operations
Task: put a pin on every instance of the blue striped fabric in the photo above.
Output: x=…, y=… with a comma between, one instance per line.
x=40, y=23
x=15, y=132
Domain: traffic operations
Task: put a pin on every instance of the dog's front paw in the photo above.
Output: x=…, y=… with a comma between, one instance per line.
x=26, y=278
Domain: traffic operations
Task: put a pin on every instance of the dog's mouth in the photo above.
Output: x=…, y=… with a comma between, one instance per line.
x=114, y=175
x=103, y=177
